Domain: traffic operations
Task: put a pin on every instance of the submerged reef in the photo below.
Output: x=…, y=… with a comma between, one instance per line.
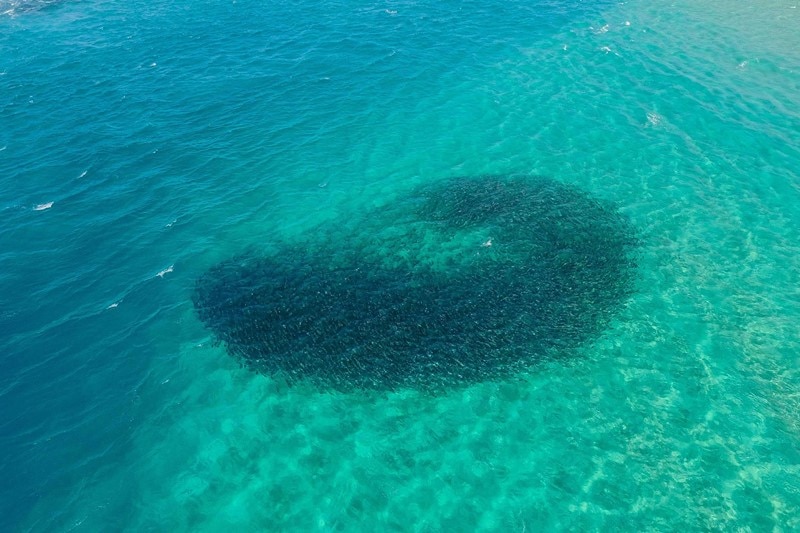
x=464, y=280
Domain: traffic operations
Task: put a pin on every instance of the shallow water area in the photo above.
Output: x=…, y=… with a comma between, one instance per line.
x=166, y=139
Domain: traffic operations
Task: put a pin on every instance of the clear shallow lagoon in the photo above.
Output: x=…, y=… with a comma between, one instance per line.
x=141, y=144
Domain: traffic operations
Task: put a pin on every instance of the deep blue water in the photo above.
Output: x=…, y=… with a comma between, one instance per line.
x=142, y=143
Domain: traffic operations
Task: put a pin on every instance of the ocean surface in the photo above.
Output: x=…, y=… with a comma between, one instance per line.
x=144, y=144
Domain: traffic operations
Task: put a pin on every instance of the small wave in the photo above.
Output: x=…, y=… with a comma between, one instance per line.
x=654, y=119
x=19, y=7
x=165, y=271
x=42, y=207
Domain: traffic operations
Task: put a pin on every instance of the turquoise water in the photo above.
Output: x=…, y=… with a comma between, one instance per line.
x=141, y=144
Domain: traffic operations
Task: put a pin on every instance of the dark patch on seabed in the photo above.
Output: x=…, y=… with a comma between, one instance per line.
x=467, y=279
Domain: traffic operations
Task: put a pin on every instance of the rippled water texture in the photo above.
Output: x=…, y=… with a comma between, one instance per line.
x=630, y=345
x=13, y=8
